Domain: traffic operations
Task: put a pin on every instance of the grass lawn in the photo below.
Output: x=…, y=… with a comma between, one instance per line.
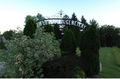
x=116, y=52
x=110, y=68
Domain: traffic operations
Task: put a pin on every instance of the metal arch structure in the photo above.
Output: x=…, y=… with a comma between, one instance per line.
x=57, y=18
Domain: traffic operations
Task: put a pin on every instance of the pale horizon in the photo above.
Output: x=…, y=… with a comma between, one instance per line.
x=13, y=12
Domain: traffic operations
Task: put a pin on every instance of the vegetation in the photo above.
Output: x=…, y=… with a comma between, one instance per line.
x=27, y=55
x=90, y=45
x=30, y=28
x=8, y=34
x=41, y=57
x=110, y=68
x=109, y=35
x=68, y=42
x=67, y=66
x=48, y=28
x=116, y=53
x=2, y=44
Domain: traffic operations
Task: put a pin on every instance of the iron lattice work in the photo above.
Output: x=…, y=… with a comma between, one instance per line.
x=58, y=19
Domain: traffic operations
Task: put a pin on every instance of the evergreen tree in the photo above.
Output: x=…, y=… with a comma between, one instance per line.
x=76, y=33
x=75, y=30
x=68, y=43
x=30, y=28
x=89, y=46
x=83, y=21
x=74, y=17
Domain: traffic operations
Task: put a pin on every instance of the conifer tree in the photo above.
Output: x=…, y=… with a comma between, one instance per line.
x=30, y=28
x=68, y=43
x=89, y=46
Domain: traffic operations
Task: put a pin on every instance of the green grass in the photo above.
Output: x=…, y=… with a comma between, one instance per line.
x=116, y=52
x=110, y=68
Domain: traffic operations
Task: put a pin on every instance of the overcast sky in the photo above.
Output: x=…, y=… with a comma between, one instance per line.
x=13, y=12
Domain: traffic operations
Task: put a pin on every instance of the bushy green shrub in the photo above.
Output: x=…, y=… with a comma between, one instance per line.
x=67, y=66
x=89, y=46
x=26, y=56
x=78, y=53
x=79, y=73
x=68, y=42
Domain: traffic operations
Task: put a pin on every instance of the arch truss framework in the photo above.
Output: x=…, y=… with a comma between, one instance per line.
x=57, y=18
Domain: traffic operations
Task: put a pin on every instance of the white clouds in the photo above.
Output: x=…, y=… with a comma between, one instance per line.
x=10, y=20
x=110, y=19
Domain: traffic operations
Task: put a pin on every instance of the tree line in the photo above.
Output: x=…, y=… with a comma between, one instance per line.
x=108, y=34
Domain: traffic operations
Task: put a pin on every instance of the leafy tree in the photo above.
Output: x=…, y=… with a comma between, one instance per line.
x=68, y=43
x=108, y=35
x=102, y=36
x=26, y=55
x=57, y=31
x=39, y=16
x=34, y=18
x=30, y=28
x=89, y=46
x=29, y=17
x=8, y=34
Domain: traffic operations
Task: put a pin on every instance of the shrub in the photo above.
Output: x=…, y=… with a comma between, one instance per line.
x=78, y=53
x=68, y=42
x=66, y=66
x=89, y=46
x=26, y=56
x=79, y=73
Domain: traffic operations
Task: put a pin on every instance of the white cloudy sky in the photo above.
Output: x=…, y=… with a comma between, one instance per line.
x=13, y=12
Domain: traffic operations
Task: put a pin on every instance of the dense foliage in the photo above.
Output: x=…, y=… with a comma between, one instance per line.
x=30, y=28
x=68, y=42
x=76, y=32
x=67, y=66
x=8, y=34
x=48, y=28
x=109, y=35
x=2, y=44
x=89, y=46
x=26, y=55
